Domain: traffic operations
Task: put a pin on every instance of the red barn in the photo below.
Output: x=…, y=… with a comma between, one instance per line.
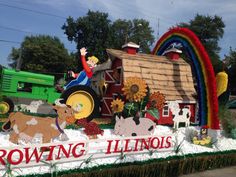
x=170, y=76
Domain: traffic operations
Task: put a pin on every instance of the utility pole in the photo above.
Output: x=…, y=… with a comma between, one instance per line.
x=130, y=30
x=19, y=61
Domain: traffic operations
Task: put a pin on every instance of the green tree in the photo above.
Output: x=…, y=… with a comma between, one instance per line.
x=209, y=30
x=97, y=33
x=230, y=62
x=137, y=31
x=42, y=54
x=91, y=31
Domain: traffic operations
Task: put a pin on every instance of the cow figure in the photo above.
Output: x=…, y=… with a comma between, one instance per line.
x=28, y=128
x=132, y=126
x=179, y=115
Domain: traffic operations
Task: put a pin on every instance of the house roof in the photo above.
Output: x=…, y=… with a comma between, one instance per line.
x=172, y=78
x=130, y=44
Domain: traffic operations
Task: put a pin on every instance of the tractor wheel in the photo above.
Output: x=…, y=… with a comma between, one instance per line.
x=84, y=100
x=6, y=106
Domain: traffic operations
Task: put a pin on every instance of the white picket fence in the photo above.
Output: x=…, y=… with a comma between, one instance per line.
x=93, y=149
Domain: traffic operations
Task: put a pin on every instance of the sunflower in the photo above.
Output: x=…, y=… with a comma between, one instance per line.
x=135, y=89
x=117, y=105
x=157, y=100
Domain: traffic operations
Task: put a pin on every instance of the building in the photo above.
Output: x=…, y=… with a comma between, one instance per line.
x=169, y=74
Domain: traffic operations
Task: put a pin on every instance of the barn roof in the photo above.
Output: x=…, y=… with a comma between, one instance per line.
x=172, y=78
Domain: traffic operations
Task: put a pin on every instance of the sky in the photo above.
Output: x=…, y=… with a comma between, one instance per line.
x=21, y=18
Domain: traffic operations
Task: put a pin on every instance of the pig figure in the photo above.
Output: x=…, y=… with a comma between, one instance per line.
x=134, y=127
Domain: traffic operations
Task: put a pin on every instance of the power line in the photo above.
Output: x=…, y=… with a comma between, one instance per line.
x=18, y=2
x=62, y=17
x=15, y=29
x=29, y=32
x=7, y=41
x=32, y=11
x=16, y=42
x=170, y=20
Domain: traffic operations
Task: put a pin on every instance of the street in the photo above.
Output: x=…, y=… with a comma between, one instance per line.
x=225, y=172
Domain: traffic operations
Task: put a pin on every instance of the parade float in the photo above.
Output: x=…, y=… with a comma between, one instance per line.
x=162, y=114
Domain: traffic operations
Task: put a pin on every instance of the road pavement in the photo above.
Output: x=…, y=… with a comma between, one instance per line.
x=221, y=172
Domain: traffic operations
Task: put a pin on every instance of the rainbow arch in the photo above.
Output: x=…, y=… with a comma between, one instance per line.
x=207, y=97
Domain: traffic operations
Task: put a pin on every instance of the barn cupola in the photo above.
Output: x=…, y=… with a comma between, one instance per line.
x=130, y=48
x=172, y=53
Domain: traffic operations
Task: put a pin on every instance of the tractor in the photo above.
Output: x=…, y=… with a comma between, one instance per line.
x=21, y=84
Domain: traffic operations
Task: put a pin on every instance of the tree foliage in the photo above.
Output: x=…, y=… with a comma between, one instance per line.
x=230, y=62
x=209, y=29
x=42, y=54
x=91, y=31
x=137, y=31
x=96, y=32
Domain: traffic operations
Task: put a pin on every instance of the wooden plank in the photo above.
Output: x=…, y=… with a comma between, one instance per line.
x=190, y=89
x=132, y=69
x=132, y=74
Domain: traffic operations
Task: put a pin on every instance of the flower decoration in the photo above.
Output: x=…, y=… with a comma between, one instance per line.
x=135, y=89
x=221, y=82
x=157, y=100
x=117, y=105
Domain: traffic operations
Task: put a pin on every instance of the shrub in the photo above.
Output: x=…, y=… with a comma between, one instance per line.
x=228, y=122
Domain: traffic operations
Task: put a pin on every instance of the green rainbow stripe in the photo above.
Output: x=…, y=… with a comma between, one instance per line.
x=207, y=97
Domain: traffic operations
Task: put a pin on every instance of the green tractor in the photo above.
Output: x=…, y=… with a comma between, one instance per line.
x=21, y=84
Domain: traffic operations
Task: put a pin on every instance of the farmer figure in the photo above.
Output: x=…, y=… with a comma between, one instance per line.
x=83, y=78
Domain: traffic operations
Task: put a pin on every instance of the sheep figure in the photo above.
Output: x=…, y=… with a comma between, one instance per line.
x=179, y=115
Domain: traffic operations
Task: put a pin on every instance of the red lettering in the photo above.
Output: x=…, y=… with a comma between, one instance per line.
x=168, y=142
x=145, y=143
x=66, y=153
x=153, y=144
x=4, y=152
x=162, y=142
x=50, y=155
x=109, y=147
x=10, y=155
x=35, y=153
x=116, y=150
x=136, y=145
x=127, y=146
x=81, y=151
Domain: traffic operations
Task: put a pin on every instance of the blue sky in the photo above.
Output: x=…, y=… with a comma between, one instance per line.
x=19, y=18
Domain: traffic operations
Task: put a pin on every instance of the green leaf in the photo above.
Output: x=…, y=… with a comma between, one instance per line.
x=154, y=112
x=131, y=109
x=145, y=100
x=129, y=106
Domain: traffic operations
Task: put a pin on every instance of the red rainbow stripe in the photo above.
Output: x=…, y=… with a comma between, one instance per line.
x=205, y=66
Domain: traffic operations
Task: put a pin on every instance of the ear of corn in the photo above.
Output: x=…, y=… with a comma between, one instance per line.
x=221, y=82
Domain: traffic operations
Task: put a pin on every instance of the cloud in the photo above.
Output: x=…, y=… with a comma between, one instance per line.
x=168, y=12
